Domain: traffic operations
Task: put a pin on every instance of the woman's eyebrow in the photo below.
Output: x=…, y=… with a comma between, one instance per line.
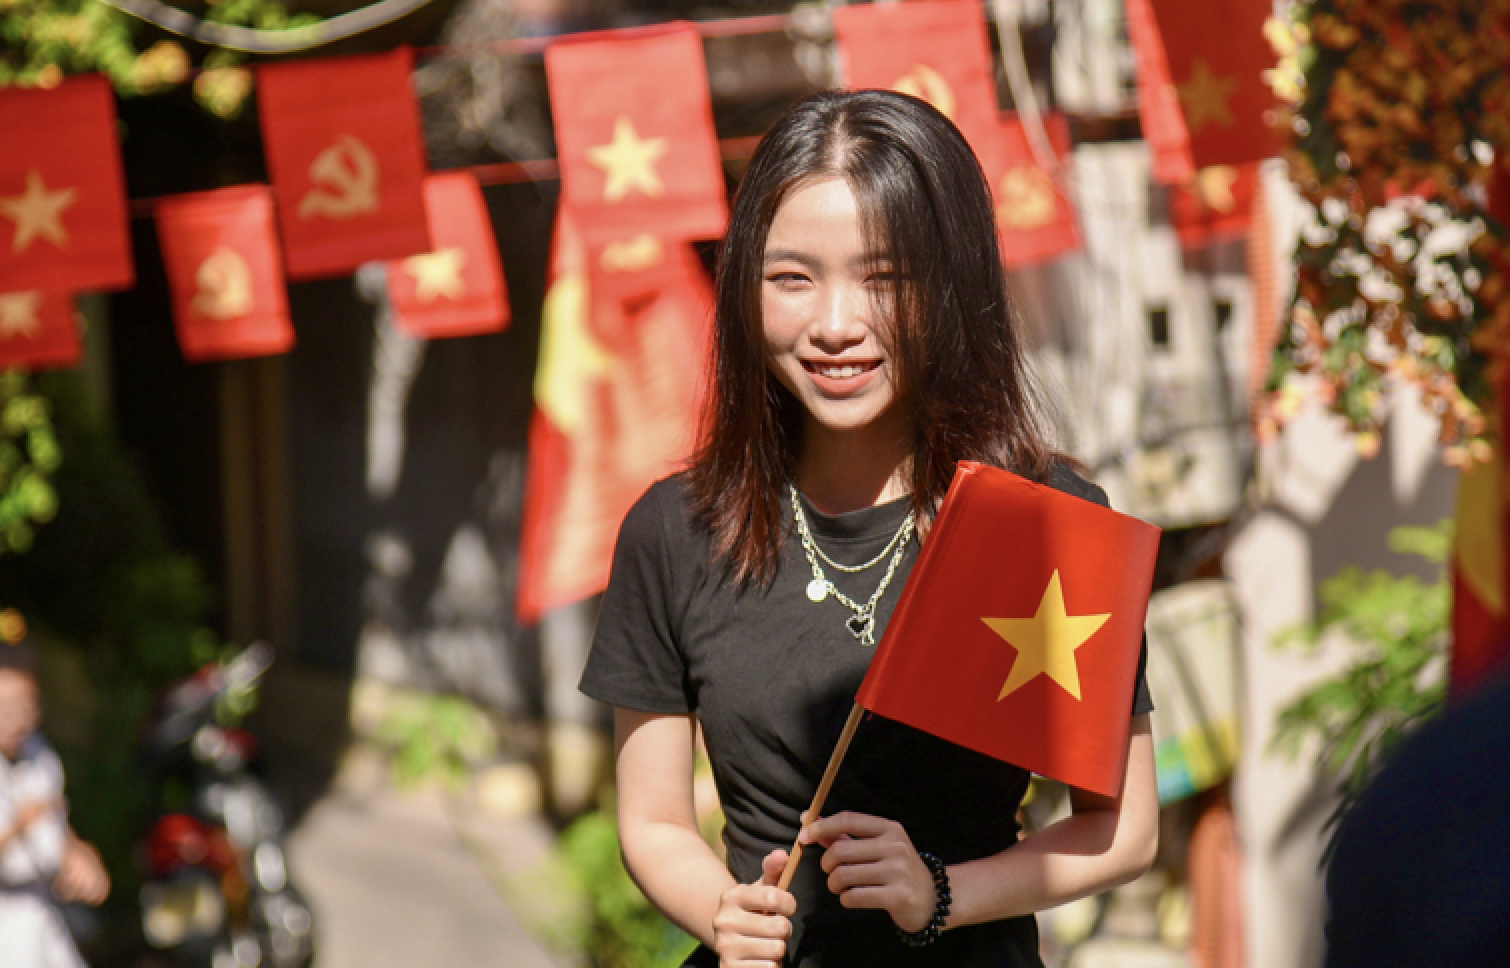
x=789, y=255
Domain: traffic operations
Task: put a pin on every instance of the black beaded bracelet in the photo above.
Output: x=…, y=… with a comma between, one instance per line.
x=930, y=932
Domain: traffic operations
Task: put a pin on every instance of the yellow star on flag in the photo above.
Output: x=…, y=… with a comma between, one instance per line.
x=1205, y=95
x=629, y=161
x=1046, y=643
x=38, y=211
x=571, y=358
x=1214, y=186
x=438, y=274
x=18, y=314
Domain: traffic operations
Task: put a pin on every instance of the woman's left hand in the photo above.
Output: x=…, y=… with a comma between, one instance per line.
x=871, y=863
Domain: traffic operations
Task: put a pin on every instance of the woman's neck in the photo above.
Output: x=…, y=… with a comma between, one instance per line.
x=847, y=470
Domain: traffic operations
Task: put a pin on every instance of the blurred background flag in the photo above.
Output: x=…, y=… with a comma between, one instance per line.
x=1158, y=99
x=221, y=254
x=1216, y=205
x=1035, y=219
x=634, y=132
x=458, y=288
x=347, y=161
x=1480, y=633
x=62, y=192
x=38, y=329
x=617, y=396
x=935, y=51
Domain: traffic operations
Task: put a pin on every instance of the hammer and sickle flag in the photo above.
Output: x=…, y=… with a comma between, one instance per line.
x=63, y=221
x=634, y=132
x=1215, y=205
x=225, y=274
x=938, y=52
x=1019, y=632
x=458, y=289
x=1034, y=218
x=347, y=161
x=38, y=330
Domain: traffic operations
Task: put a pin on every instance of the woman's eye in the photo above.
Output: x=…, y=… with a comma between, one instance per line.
x=787, y=278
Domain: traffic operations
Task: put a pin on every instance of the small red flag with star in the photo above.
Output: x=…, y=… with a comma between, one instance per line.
x=38, y=330
x=1019, y=632
x=458, y=288
x=62, y=190
x=634, y=132
x=1034, y=218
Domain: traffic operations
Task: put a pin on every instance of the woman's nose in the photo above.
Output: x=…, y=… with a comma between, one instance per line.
x=842, y=320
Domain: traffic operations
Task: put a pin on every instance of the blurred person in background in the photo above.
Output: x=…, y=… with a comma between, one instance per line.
x=43, y=863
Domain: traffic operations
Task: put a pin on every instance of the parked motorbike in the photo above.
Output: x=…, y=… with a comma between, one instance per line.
x=217, y=891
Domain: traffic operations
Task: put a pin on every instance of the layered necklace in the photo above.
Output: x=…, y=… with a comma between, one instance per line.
x=862, y=624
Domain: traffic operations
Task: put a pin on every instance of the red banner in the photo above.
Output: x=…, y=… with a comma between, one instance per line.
x=634, y=132
x=1158, y=100
x=221, y=254
x=1217, y=53
x=617, y=398
x=62, y=192
x=935, y=51
x=1026, y=650
x=1033, y=217
x=1215, y=206
x=347, y=161
x=458, y=289
x=38, y=329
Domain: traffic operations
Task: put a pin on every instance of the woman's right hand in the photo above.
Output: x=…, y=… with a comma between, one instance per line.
x=753, y=921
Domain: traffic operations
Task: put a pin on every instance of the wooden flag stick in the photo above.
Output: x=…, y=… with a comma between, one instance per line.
x=840, y=748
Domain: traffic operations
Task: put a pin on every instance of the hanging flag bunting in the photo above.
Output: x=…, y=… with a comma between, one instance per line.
x=1215, y=205
x=1480, y=625
x=223, y=268
x=937, y=51
x=618, y=392
x=1048, y=632
x=347, y=161
x=1217, y=53
x=62, y=191
x=634, y=133
x=38, y=329
x=1033, y=217
x=458, y=288
x=638, y=266
x=1158, y=99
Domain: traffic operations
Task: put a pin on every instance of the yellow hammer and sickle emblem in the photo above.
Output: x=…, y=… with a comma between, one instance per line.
x=633, y=255
x=346, y=181
x=929, y=85
x=224, y=282
x=1027, y=198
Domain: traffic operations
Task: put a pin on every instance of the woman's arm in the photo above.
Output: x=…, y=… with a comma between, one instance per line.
x=668, y=858
x=1105, y=842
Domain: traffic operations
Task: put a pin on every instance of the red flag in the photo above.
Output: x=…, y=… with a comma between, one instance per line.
x=935, y=51
x=347, y=161
x=1034, y=218
x=1480, y=626
x=1217, y=53
x=1215, y=205
x=1018, y=633
x=1158, y=99
x=38, y=329
x=617, y=396
x=458, y=289
x=223, y=268
x=634, y=132
x=62, y=192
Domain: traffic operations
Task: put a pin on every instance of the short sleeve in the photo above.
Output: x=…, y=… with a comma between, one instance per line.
x=635, y=661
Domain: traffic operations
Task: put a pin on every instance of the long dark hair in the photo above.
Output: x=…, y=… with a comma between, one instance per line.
x=962, y=374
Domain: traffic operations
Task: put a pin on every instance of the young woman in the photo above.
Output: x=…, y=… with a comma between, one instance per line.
x=864, y=344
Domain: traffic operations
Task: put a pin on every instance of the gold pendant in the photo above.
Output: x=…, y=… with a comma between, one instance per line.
x=817, y=590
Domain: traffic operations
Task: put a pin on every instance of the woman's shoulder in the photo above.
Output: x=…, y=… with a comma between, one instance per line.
x=1064, y=475
x=663, y=513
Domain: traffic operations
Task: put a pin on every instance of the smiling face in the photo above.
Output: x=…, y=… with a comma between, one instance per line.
x=827, y=306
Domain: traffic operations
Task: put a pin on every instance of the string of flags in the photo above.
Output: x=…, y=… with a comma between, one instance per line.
x=639, y=162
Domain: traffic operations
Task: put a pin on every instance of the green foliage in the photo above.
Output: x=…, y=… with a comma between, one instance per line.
x=622, y=929
x=29, y=455
x=439, y=737
x=1399, y=628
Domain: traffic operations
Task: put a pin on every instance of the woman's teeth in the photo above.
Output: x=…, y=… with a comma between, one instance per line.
x=841, y=372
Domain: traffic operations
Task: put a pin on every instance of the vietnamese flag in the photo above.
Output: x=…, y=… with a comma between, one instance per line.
x=62, y=190
x=1033, y=217
x=457, y=289
x=347, y=160
x=1217, y=53
x=938, y=52
x=1019, y=632
x=1480, y=626
x=634, y=132
x=221, y=253
x=1216, y=205
x=1158, y=99
x=618, y=392
x=38, y=329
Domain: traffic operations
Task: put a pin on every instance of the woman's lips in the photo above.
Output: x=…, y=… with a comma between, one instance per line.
x=842, y=379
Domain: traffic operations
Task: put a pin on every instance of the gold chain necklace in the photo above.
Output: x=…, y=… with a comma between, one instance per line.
x=862, y=624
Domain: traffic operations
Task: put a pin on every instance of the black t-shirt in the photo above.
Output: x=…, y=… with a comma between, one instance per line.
x=771, y=677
